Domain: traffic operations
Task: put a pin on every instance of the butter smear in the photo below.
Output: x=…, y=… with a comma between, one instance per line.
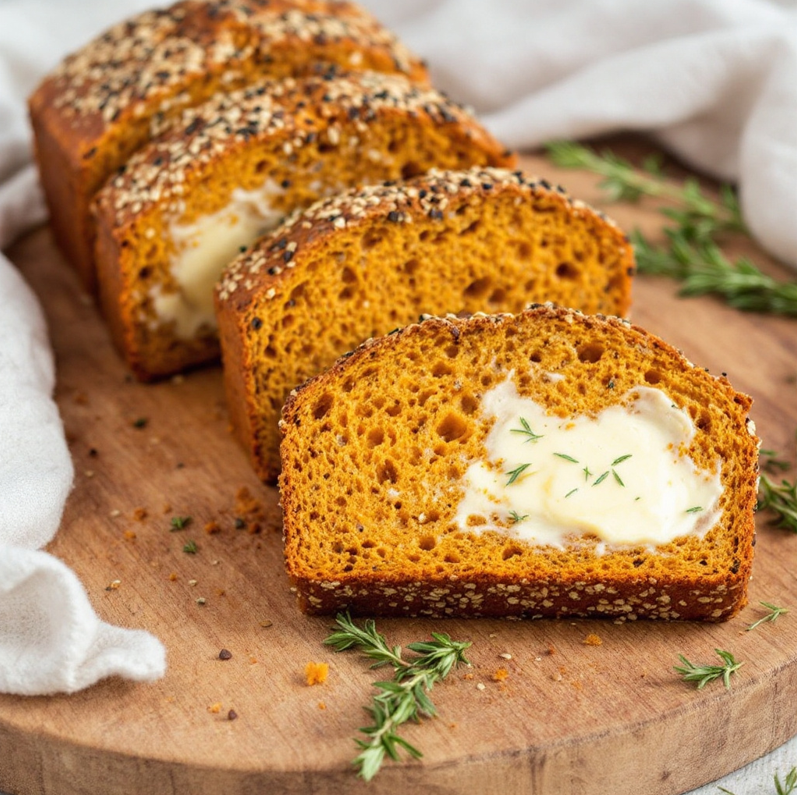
x=623, y=476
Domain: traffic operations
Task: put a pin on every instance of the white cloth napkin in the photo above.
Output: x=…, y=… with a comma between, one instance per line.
x=51, y=640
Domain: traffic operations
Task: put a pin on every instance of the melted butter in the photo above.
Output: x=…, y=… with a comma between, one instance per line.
x=204, y=248
x=622, y=476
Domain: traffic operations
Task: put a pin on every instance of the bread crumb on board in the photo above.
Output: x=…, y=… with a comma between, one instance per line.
x=316, y=673
x=592, y=640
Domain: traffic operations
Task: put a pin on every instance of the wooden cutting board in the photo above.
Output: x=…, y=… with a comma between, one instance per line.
x=568, y=718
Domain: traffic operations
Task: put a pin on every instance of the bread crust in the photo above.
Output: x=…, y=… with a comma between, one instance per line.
x=108, y=99
x=626, y=583
x=256, y=286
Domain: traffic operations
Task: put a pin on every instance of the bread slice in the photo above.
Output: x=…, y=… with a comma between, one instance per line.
x=378, y=458
x=107, y=100
x=188, y=203
x=360, y=264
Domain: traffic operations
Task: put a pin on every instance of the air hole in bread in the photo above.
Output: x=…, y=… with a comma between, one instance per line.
x=653, y=376
x=511, y=552
x=471, y=227
x=498, y=296
x=427, y=543
x=524, y=252
x=452, y=557
x=287, y=321
x=590, y=352
x=261, y=166
x=386, y=472
x=347, y=276
x=478, y=288
x=440, y=369
x=323, y=405
x=566, y=270
x=410, y=266
x=345, y=294
x=414, y=558
x=375, y=437
x=371, y=239
x=410, y=169
x=468, y=404
x=452, y=427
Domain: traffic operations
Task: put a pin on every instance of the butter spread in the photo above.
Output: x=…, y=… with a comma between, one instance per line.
x=204, y=248
x=623, y=476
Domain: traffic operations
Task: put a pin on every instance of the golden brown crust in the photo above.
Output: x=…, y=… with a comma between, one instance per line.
x=105, y=101
x=484, y=239
x=308, y=137
x=348, y=545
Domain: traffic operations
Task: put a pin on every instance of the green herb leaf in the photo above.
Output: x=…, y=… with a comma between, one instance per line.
x=516, y=473
x=617, y=477
x=190, y=547
x=773, y=614
x=781, y=499
x=696, y=509
x=526, y=431
x=601, y=478
x=703, y=674
x=572, y=491
x=406, y=696
x=621, y=459
x=515, y=517
x=566, y=457
x=179, y=523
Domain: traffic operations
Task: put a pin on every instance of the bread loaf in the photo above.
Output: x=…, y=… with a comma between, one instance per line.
x=360, y=264
x=106, y=101
x=542, y=464
x=189, y=202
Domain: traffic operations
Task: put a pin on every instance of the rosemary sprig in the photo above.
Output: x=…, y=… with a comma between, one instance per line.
x=516, y=517
x=781, y=499
x=403, y=698
x=699, y=214
x=771, y=461
x=702, y=267
x=690, y=254
x=772, y=615
x=703, y=674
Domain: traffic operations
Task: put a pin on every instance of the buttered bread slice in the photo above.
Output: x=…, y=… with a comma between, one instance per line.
x=542, y=464
x=110, y=98
x=192, y=200
x=360, y=264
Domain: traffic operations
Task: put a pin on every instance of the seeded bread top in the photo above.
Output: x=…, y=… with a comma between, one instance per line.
x=430, y=194
x=290, y=109
x=148, y=59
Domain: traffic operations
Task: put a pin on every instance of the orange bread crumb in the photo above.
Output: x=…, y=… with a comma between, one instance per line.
x=500, y=675
x=315, y=673
x=593, y=640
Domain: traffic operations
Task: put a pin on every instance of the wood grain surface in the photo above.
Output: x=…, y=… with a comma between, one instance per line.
x=570, y=718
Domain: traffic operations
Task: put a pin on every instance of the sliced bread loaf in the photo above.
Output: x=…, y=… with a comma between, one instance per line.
x=107, y=100
x=188, y=203
x=542, y=464
x=360, y=264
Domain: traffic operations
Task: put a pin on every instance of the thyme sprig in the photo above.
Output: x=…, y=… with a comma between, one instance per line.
x=401, y=699
x=691, y=254
x=526, y=431
x=772, y=615
x=703, y=674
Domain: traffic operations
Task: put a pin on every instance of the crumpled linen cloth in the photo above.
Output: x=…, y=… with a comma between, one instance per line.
x=714, y=80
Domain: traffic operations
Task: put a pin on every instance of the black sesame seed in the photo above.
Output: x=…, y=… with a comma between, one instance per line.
x=287, y=256
x=393, y=216
x=256, y=323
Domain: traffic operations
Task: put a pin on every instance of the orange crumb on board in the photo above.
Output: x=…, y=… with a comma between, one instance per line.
x=316, y=673
x=322, y=705
x=551, y=649
x=592, y=640
x=500, y=675
x=130, y=535
x=467, y=676
x=173, y=576
x=139, y=514
x=167, y=508
x=212, y=527
x=215, y=708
